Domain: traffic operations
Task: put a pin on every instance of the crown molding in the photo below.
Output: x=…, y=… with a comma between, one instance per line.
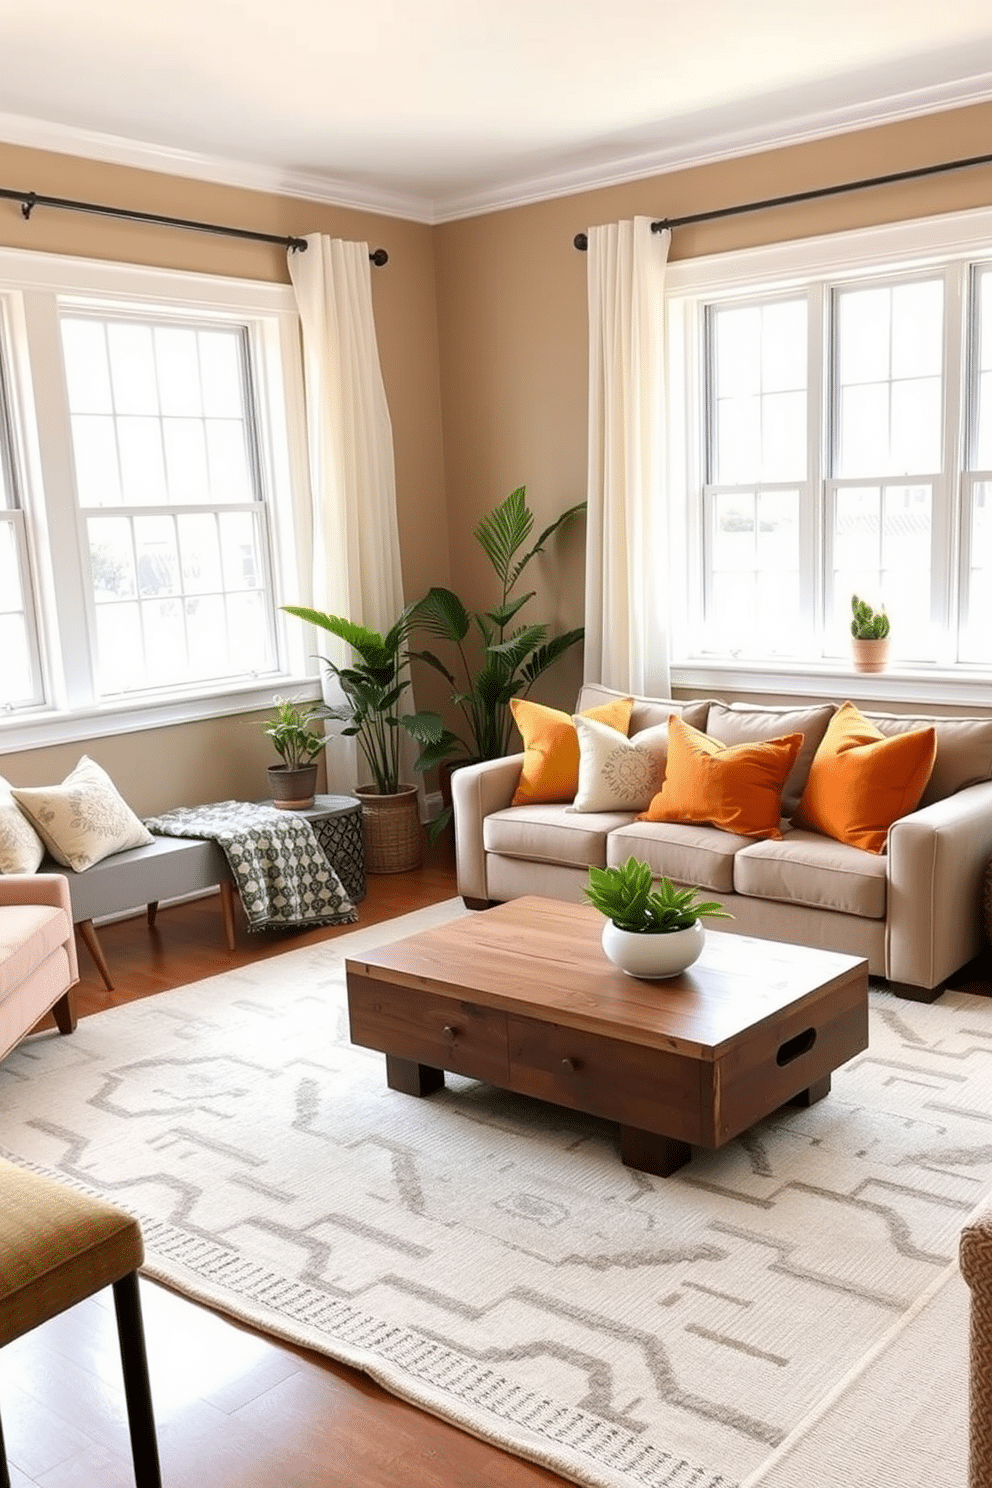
x=640, y=164
x=90, y=144
x=634, y=164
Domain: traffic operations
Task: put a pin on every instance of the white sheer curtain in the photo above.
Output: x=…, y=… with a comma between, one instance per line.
x=626, y=642
x=356, y=548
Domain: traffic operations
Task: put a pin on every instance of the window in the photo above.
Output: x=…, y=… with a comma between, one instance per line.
x=167, y=483
x=20, y=673
x=151, y=471
x=836, y=401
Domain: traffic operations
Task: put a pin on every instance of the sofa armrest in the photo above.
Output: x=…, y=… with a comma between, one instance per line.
x=937, y=861
x=36, y=888
x=476, y=791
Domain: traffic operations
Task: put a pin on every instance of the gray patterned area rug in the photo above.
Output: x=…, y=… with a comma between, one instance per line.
x=487, y=1256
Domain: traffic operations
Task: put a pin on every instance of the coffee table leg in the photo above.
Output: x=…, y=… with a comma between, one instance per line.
x=412, y=1078
x=815, y=1093
x=651, y=1153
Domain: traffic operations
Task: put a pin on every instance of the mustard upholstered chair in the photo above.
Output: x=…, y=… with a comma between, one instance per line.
x=37, y=954
x=58, y=1247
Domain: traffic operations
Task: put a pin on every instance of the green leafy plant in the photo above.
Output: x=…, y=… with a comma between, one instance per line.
x=867, y=624
x=292, y=733
x=627, y=897
x=496, y=658
x=373, y=688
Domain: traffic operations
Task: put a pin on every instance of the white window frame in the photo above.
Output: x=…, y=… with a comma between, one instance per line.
x=906, y=247
x=33, y=289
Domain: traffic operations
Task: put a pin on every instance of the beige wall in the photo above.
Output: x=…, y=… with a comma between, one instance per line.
x=226, y=757
x=482, y=320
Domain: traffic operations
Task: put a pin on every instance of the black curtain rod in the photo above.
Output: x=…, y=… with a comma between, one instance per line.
x=30, y=199
x=581, y=240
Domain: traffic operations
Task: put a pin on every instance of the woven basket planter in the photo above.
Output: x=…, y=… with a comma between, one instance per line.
x=391, y=829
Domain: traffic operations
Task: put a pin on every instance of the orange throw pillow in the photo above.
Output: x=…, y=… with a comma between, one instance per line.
x=736, y=787
x=551, y=748
x=861, y=780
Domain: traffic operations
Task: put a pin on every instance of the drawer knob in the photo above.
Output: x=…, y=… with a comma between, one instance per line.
x=450, y=1033
x=570, y=1066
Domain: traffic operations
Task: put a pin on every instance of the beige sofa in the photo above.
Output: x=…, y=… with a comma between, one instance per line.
x=913, y=912
x=37, y=955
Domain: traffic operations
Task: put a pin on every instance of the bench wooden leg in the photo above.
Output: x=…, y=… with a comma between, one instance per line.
x=87, y=930
x=152, y=912
x=64, y=1013
x=227, y=912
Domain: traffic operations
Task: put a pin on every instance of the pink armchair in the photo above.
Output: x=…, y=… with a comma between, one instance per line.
x=37, y=955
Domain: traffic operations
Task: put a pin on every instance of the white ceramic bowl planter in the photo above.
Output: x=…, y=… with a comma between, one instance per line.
x=653, y=956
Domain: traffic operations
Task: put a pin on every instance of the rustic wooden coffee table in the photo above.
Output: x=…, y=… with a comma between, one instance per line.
x=522, y=996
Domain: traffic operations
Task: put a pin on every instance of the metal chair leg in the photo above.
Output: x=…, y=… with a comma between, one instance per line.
x=4, y=1473
x=137, y=1390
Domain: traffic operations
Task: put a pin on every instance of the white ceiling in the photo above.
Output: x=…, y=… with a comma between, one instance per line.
x=435, y=109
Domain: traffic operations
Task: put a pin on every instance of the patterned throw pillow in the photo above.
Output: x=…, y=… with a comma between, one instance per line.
x=616, y=773
x=84, y=819
x=21, y=849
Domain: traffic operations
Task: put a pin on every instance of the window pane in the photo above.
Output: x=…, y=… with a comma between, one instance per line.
x=16, y=682
x=982, y=454
x=754, y=574
x=87, y=369
x=10, y=569
x=882, y=551
x=132, y=367
x=889, y=379
x=186, y=461
x=158, y=560
x=111, y=558
x=178, y=371
x=758, y=388
x=142, y=462
x=94, y=446
x=221, y=374
x=976, y=636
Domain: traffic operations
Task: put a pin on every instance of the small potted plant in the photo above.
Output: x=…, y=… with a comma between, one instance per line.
x=292, y=784
x=649, y=931
x=869, y=636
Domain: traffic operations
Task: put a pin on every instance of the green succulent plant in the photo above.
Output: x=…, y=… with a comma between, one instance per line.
x=868, y=624
x=627, y=897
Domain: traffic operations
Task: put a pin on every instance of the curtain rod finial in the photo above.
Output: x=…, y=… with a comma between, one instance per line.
x=379, y=256
x=581, y=241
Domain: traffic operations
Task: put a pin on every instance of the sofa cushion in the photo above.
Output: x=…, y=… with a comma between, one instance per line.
x=551, y=833
x=860, y=782
x=737, y=787
x=29, y=933
x=740, y=723
x=617, y=773
x=647, y=712
x=807, y=868
x=964, y=750
x=21, y=849
x=684, y=852
x=84, y=819
x=550, y=769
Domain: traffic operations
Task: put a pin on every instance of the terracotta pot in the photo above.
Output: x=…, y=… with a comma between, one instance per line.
x=292, y=789
x=394, y=839
x=870, y=656
x=653, y=956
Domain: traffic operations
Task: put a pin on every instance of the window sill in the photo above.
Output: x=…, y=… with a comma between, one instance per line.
x=835, y=683
x=45, y=726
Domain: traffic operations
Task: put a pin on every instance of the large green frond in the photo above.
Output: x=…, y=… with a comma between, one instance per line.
x=504, y=530
x=442, y=614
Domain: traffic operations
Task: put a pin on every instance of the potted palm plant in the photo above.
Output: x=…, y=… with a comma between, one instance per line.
x=869, y=636
x=649, y=932
x=292, y=783
x=496, y=656
x=373, y=687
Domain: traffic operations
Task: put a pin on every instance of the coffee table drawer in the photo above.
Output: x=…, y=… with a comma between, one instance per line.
x=436, y=1031
x=624, y=1082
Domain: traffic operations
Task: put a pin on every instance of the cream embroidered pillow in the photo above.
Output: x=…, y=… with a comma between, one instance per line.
x=617, y=773
x=84, y=819
x=21, y=849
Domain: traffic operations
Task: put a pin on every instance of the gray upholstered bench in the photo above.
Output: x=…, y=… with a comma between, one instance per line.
x=165, y=869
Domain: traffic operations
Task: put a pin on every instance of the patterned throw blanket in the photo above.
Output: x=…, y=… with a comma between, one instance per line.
x=277, y=863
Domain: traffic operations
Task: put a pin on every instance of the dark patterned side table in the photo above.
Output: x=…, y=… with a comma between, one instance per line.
x=337, y=826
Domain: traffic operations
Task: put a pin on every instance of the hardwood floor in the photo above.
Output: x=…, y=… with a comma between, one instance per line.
x=234, y=1408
